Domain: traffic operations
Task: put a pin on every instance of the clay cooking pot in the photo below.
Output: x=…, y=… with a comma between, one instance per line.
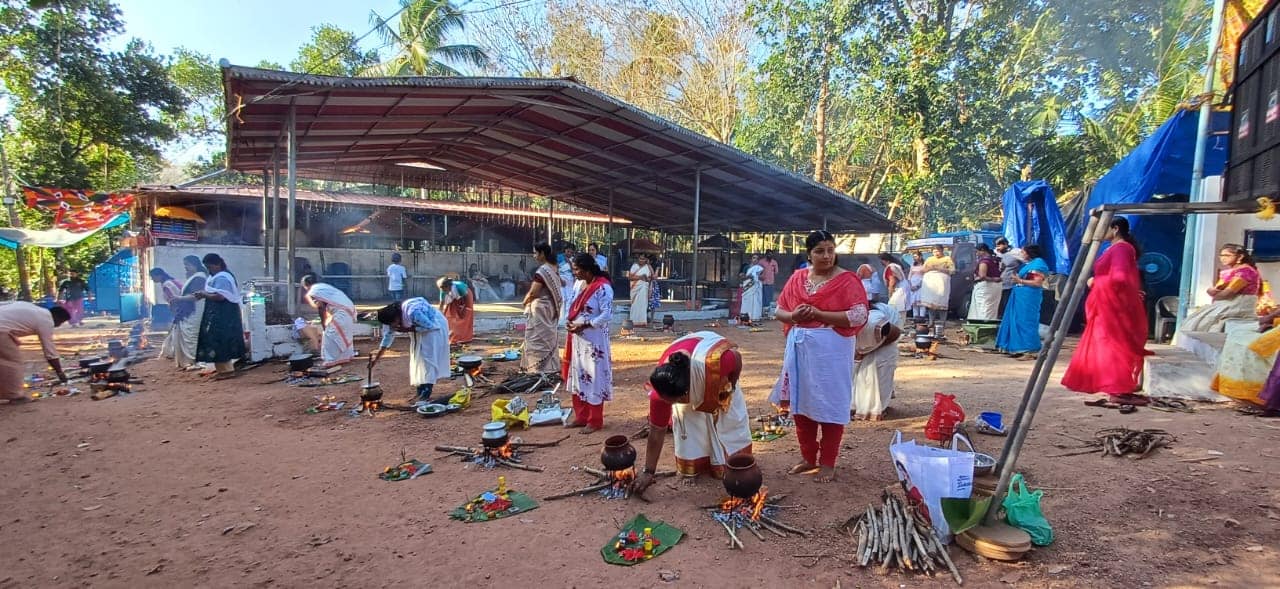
x=618, y=453
x=742, y=477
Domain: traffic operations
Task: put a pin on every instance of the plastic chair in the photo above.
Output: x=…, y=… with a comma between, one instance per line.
x=1165, y=313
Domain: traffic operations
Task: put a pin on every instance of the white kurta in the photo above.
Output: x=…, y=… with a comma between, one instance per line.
x=873, y=375
x=699, y=434
x=639, y=312
x=817, y=374
x=591, y=362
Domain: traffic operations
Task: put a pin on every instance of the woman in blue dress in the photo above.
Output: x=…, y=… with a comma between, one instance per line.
x=1020, y=328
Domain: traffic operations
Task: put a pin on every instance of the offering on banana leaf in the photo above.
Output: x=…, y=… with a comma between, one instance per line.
x=491, y=505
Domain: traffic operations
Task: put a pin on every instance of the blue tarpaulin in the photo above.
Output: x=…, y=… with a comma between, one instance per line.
x=1160, y=165
x=1031, y=216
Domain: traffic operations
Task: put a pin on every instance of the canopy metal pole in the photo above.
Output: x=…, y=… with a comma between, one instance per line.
x=824, y=222
x=1185, y=284
x=551, y=219
x=266, y=200
x=608, y=237
x=1044, y=364
x=275, y=218
x=1054, y=324
x=697, y=209
x=290, y=242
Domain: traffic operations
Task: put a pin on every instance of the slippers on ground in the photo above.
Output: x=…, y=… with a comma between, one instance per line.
x=1171, y=405
x=1127, y=409
x=1248, y=410
x=1131, y=399
x=1099, y=402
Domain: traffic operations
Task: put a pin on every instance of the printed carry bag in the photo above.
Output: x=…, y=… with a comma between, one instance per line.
x=929, y=475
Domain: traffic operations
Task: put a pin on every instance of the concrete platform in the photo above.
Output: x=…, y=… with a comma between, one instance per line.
x=1204, y=346
x=1180, y=373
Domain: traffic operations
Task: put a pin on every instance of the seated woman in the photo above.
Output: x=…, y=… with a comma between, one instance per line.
x=1246, y=360
x=1235, y=295
x=484, y=292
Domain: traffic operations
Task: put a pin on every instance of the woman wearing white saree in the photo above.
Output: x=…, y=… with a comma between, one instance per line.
x=428, y=346
x=875, y=361
x=337, y=317
x=694, y=390
x=187, y=312
x=753, y=291
x=641, y=275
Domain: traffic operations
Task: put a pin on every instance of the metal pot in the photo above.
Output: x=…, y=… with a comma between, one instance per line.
x=371, y=392
x=100, y=367
x=118, y=375
x=628, y=324
x=470, y=362
x=495, y=434
x=742, y=476
x=668, y=321
x=301, y=362
x=87, y=362
x=618, y=453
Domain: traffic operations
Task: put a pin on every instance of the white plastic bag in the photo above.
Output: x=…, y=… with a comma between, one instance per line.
x=929, y=475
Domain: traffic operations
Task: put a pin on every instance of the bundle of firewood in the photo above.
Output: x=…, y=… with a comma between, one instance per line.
x=894, y=535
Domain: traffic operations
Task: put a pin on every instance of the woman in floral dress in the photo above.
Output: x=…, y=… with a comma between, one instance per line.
x=587, y=369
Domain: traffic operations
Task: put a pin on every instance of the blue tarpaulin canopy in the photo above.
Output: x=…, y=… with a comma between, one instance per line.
x=1031, y=216
x=1160, y=165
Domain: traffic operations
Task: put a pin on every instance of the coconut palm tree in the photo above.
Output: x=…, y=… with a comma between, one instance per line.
x=420, y=40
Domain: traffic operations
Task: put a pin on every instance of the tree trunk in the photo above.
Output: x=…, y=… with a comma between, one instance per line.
x=1026, y=173
x=19, y=253
x=820, y=134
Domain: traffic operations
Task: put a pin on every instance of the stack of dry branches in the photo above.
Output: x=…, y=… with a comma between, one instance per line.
x=1122, y=441
x=892, y=534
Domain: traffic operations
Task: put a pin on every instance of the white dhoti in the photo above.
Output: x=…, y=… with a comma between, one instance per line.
x=700, y=435
x=338, y=343
x=11, y=368
x=753, y=301
x=429, y=356
x=985, y=304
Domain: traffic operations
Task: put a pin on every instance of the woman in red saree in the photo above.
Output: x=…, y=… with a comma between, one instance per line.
x=457, y=303
x=822, y=309
x=1109, y=357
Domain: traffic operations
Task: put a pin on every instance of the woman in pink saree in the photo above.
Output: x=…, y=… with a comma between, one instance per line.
x=1109, y=358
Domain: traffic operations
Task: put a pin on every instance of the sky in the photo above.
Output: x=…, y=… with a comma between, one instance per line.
x=243, y=31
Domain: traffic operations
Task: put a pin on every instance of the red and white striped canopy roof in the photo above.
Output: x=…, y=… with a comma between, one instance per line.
x=547, y=137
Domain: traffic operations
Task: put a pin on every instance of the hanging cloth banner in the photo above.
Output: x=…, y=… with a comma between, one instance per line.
x=53, y=238
x=77, y=214
x=79, y=211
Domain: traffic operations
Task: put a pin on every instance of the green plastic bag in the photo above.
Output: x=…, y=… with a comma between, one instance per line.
x=1022, y=511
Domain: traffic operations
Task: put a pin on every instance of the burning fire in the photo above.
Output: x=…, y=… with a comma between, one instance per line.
x=504, y=452
x=749, y=508
x=370, y=406
x=622, y=478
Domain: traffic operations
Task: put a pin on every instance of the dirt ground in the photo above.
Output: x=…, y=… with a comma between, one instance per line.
x=192, y=483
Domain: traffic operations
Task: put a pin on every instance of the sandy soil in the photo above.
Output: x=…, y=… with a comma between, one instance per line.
x=191, y=483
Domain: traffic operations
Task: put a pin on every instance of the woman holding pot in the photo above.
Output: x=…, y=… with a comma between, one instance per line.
x=694, y=390
x=822, y=309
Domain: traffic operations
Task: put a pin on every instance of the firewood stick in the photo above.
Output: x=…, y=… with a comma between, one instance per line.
x=942, y=550
x=862, y=542
x=733, y=538
x=604, y=475
x=755, y=532
x=511, y=464
x=765, y=525
x=915, y=539
x=538, y=444
x=582, y=491
x=783, y=526
x=460, y=449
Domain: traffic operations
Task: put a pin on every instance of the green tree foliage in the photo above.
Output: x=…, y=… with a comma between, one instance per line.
x=420, y=40
x=83, y=116
x=333, y=52
x=928, y=110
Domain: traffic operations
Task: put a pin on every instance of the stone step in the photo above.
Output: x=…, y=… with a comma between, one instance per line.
x=1204, y=346
x=1174, y=372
